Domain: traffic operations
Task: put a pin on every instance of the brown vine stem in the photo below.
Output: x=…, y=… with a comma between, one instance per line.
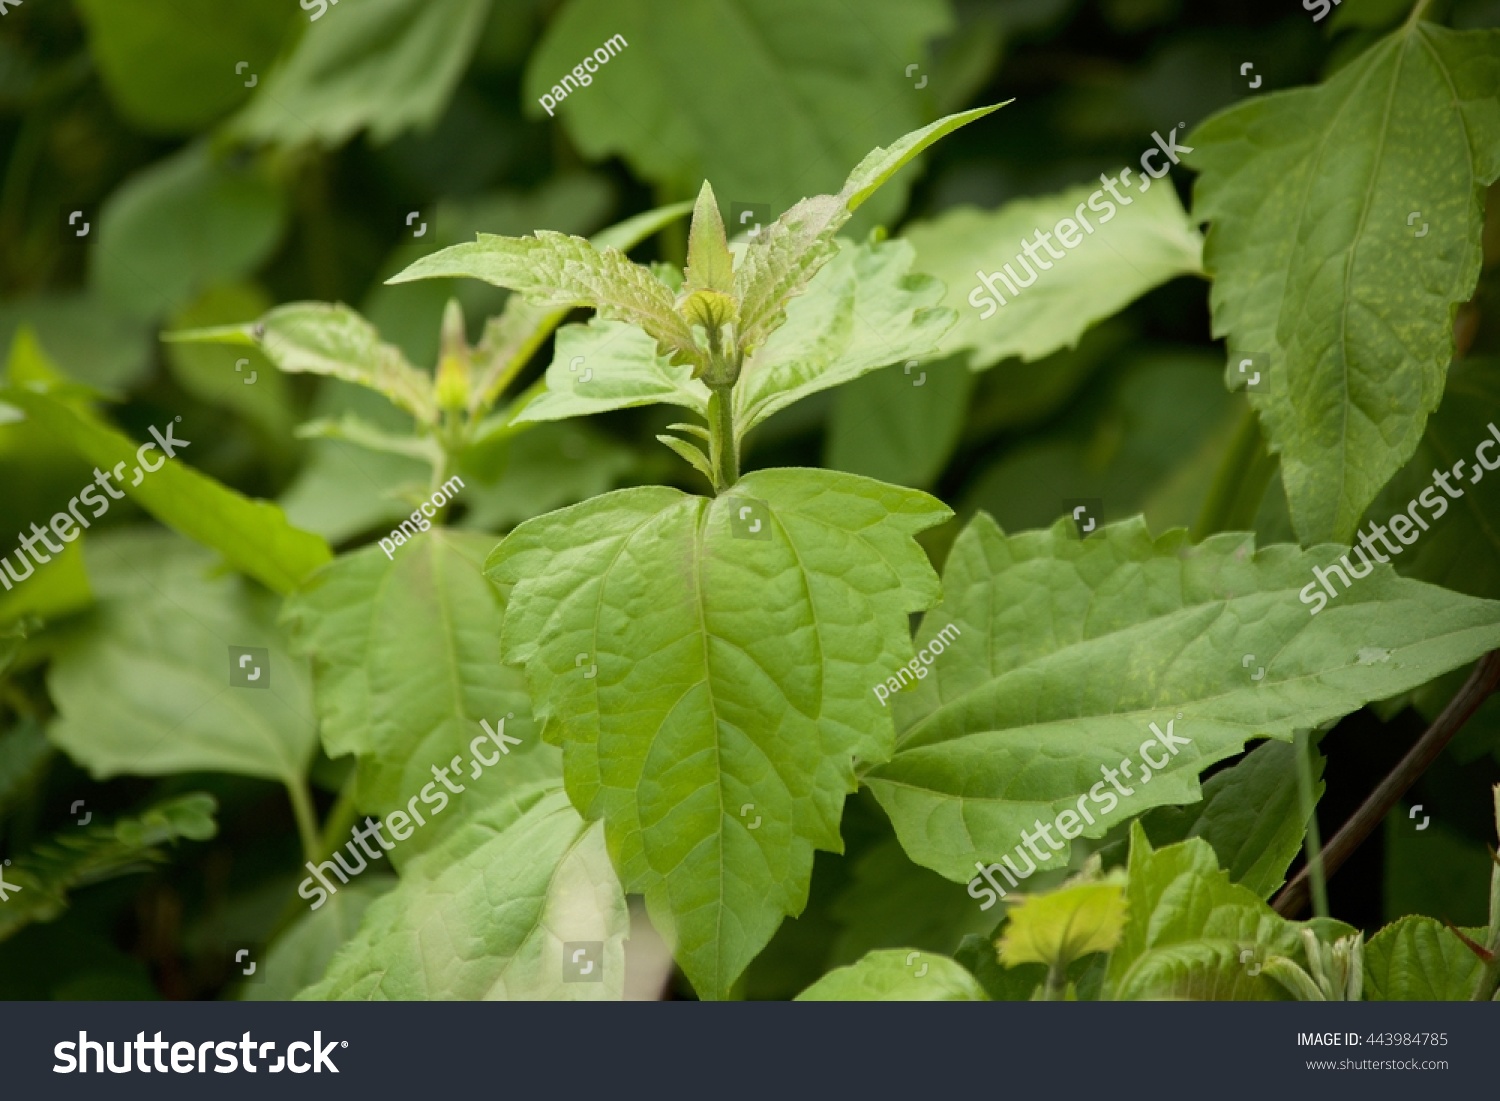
x=1481, y=683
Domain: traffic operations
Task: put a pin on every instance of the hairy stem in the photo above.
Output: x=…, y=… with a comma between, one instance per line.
x=1481, y=683
x=724, y=451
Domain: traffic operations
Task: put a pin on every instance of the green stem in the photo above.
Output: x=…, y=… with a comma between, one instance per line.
x=307, y=821
x=1056, y=984
x=724, y=451
x=1240, y=482
x=1490, y=977
x=339, y=822
x=1310, y=815
x=1417, y=12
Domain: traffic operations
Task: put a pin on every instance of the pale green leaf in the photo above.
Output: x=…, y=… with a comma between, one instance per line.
x=706, y=665
x=781, y=260
x=863, y=310
x=232, y=378
x=253, y=536
x=1316, y=197
x=556, y=271
x=179, y=226
x=1250, y=814
x=486, y=914
x=512, y=336
x=389, y=65
x=300, y=956
x=1061, y=926
x=710, y=266
x=1063, y=653
x=145, y=690
x=319, y=339
x=1120, y=253
x=367, y=621
x=1192, y=934
x=897, y=975
x=1418, y=959
x=606, y=365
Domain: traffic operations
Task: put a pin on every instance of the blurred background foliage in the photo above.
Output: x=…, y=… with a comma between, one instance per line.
x=229, y=156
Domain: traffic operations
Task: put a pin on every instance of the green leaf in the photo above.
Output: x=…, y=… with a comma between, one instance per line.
x=1112, y=446
x=253, y=536
x=863, y=310
x=710, y=265
x=606, y=365
x=180, y=226
x=1141, y=246
x=300, y=956
x=24, y=755
x=1249, y=814
x=511, y=337
x=556, y=271
x=385, y=65
x=1191, y=933
x=331, y=340
x=694, y=669
x=540, y=470
x=245, y=384
x=784, y=257
x=91, y=341
x=53, y=590
x=145, y=690
x=897, y=975
x=163, y=83
x=1316, y=262
x=1417, y=959
x=900, y=426
x=1061, y=653
x=367, y=621
x=486, y=915
x=1061, y=926
x=668, y=101
x=45, y=876
x=891, y=902
x=1437, y=871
